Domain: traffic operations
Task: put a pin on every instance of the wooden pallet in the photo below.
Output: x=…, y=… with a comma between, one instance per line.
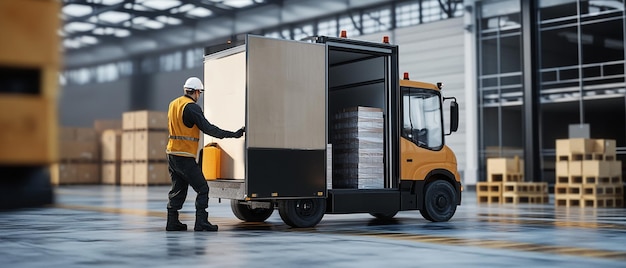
x=489, y=192
x=505, y=177
x=608, y=190
x=525, y=187
x=570, y=191
x=602, y=202
x=525, y=198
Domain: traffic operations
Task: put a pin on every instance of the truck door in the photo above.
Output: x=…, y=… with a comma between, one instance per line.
x=285, y=118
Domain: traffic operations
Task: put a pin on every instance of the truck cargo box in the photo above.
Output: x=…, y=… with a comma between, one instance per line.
x=287, y=94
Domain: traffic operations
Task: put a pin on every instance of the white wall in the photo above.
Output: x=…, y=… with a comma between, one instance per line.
x=435, y=52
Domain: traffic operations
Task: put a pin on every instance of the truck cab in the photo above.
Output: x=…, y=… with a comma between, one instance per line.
x=331, y=128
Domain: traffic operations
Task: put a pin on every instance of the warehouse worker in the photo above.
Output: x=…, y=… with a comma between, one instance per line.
x=186, y=120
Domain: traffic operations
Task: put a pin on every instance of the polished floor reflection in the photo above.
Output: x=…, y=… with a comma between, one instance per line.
x=113, y=226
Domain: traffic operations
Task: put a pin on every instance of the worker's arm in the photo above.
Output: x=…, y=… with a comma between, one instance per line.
x=192, y=115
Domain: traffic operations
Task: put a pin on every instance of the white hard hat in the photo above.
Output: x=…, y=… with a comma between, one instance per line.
x=193, y=83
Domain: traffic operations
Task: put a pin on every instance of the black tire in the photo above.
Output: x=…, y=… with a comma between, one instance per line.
x=384, y=215
x=439, y=201
x=247, y=214
x=302, y=213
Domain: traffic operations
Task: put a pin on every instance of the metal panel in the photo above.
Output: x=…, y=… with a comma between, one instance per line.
x=228, y=189
x=286, y=96
x=286, y=173
x=363, y=201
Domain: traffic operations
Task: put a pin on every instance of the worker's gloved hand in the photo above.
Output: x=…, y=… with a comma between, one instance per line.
x=240, y=132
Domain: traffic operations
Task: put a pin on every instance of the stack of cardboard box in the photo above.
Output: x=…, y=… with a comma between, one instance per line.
x=109, y=133
x=144, y=140
x=30, y=63
x=357, y=149
x=111, y=148
x=588, y=173
x=78, y=157
x=505, y=184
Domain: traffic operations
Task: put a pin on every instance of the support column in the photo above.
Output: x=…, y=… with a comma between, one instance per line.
x=532, y=148
x=141, y=90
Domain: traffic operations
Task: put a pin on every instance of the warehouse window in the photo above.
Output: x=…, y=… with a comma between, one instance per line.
x=351, y=23
x=431, y=11
x=171, y=62
x=376, y=20
x=303, y=32
x=327, y=28
x=125, y=68
x=194, y=58
x=407, y=14
x=106, y=73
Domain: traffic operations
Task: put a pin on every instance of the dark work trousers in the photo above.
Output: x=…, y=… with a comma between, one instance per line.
x=184, y=171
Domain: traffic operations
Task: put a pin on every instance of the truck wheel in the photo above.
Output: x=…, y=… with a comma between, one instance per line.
x=247, y=214
x=302, y=213
x=384, y=215
x=439, y=201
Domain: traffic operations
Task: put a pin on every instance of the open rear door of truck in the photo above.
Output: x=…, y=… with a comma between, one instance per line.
x=285, y=118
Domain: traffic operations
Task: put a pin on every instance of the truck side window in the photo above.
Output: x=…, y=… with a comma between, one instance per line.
x=422, y=121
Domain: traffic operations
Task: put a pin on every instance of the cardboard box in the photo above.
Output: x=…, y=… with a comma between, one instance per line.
x=604, y=146
x=127, y=173
x=28, y=41
x=596, y=168
x=111, y=173
x=575, y=168
x=562, y=168
x=111, y=145
x=77, y=134
x=100, y=125
x=128, y=121
x=88, y=173
x=78, y=151
x=151, y=174
x=504, y=165
x=75, y=173
x=581, y=146
x=86, y=134
x=28, y=134
x=150, y=145
x=128, y=146
x=63, y=173
x=67, y=134
x=156, y=120
x=562, y=147
x=616, y=168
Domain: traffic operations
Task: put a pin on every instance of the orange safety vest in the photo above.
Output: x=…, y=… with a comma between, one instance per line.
x=183, y=141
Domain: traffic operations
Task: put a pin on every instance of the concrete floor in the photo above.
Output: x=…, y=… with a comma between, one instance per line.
x=111, y=226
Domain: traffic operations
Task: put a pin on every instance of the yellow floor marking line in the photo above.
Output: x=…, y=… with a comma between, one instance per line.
x=492, y=244
x=136, y=212
x=127, y=211
x=557, y=223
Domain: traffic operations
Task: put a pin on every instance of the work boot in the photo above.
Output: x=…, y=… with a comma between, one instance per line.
x=202, y=222
x=173, y=224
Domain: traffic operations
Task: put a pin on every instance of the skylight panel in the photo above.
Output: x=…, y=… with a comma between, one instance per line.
x=114, y=16
x=77, y=10
x=200, y=12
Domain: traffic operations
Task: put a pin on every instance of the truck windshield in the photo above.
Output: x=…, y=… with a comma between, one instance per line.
x=422, y=122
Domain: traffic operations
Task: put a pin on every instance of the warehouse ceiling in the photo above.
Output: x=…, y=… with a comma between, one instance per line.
x=96, y=31
x=90, y=22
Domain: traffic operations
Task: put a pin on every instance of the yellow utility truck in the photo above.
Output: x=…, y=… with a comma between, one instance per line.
x=331, y=128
